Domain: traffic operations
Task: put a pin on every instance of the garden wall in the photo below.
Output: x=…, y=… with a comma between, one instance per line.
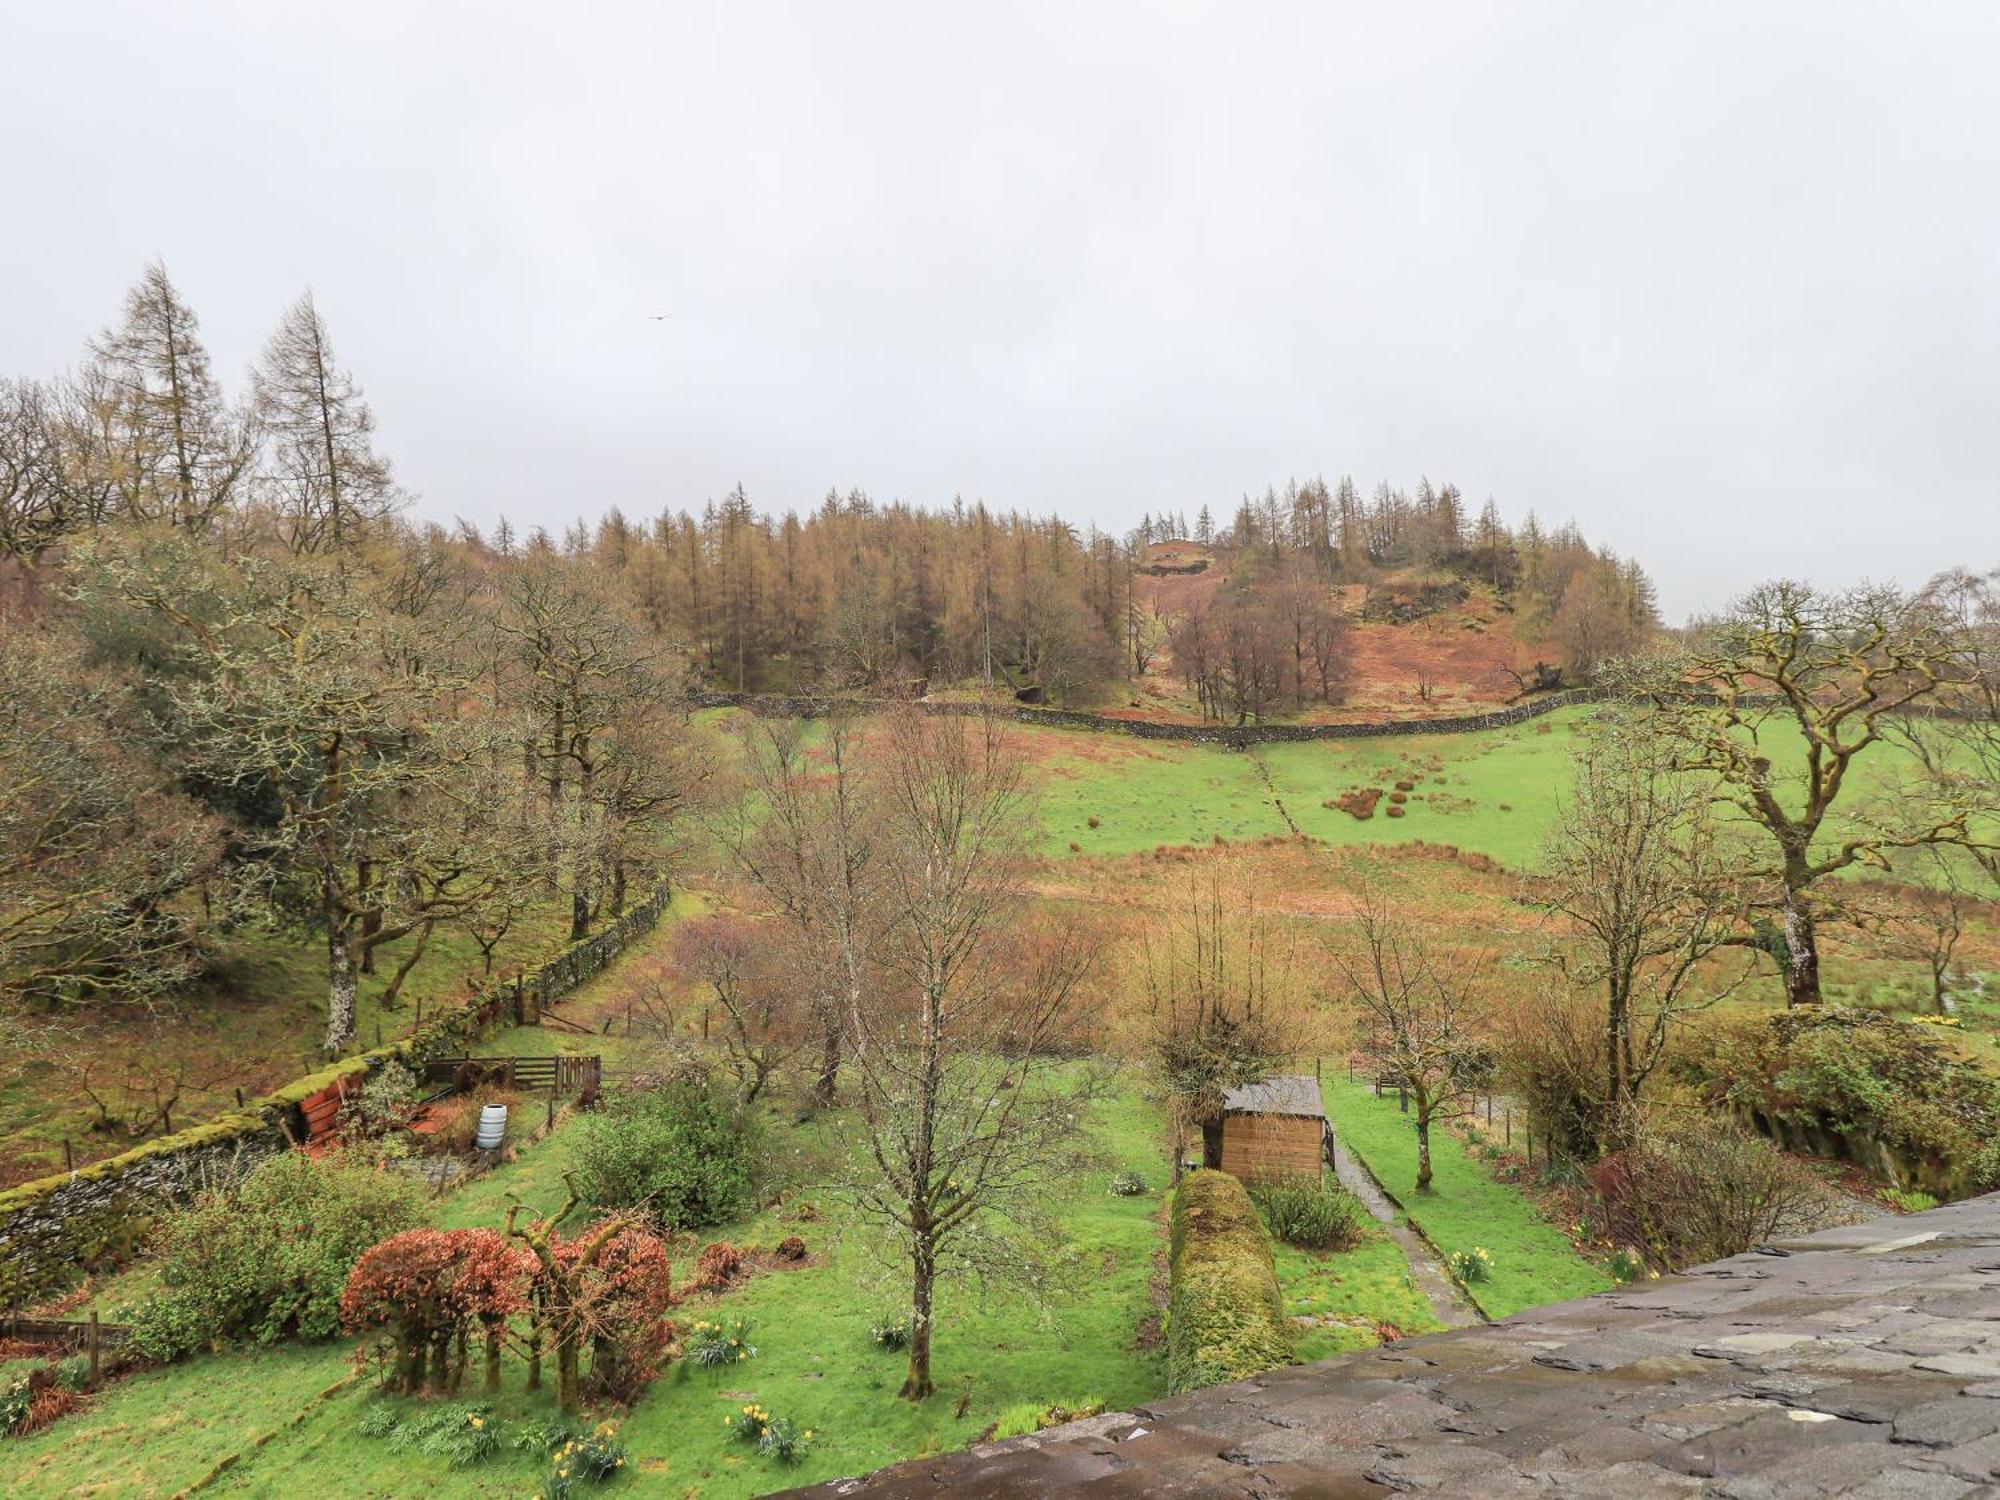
x=1225, y=1315
x=1231, y=736
x=56, y=1228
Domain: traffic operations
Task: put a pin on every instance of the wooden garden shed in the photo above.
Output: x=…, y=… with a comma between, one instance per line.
x=1276, y=1127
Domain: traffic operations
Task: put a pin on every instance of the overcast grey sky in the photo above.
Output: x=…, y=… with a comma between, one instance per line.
x=1722, y=281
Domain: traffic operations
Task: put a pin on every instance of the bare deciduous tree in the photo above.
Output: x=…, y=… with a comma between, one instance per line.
x=1219, y=978
x=1417, y=1014
x=1636, y=869
x=1776, y=703
x=813, y=855
x=968, y=1116
x=724, y=954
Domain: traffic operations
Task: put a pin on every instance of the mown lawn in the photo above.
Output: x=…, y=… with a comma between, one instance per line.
x=1533, y=1262
x=161, y=1431
x=1350, y=1292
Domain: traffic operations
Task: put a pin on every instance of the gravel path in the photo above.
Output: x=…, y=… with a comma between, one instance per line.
x=1446, y=1302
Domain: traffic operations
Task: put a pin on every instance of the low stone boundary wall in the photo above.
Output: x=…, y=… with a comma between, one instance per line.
x=56, y=1228
x=1232, y=736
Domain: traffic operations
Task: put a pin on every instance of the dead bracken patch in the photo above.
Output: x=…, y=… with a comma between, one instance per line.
x=1358, y=803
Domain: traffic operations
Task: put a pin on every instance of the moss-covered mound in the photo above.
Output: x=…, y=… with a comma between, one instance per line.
x=1225, y=1316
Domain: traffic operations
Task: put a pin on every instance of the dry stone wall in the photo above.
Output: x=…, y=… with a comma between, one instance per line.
x=1231, y=736
x=55, y=1229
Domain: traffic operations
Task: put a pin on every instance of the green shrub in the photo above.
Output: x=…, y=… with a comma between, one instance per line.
x=683, y=1151
x=1127, y=1185
x=17, y=1399
x=387, y=1099
x=268, y=1256
x=1859, y=1070
x=1225, y=1315
x=1304, y=1211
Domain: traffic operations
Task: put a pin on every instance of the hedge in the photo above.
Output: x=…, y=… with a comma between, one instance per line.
x=1225, y=1315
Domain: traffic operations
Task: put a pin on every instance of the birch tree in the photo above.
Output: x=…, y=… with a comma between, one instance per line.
x=968, y=1118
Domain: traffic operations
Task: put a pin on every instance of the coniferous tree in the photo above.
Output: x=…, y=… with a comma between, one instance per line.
x=323, y=473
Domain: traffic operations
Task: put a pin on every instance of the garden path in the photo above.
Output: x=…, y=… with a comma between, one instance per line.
x=1451, y=1308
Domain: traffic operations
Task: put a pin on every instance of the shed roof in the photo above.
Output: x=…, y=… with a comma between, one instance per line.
x=1284, y=1094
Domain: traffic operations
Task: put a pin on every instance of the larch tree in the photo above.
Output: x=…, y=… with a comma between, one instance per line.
x=183, y=452
x=321, y=466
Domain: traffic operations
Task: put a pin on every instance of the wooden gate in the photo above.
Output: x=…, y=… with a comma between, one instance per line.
x=559, y=1073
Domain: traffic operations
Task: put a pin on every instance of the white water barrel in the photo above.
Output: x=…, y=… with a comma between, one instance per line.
x=492, y=1127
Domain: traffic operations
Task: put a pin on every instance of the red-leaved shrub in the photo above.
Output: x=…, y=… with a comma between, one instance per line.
x=717, y=1266
x=425, y=1288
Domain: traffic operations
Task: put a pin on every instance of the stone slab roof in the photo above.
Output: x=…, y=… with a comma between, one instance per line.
x=1283, y=1094
x=1861, y=1362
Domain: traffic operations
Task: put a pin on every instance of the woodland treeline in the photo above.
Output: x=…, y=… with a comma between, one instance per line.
x=854, y=592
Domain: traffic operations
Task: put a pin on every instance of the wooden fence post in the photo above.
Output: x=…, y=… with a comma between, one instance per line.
x=92, y=1341
x=1510, y=1125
